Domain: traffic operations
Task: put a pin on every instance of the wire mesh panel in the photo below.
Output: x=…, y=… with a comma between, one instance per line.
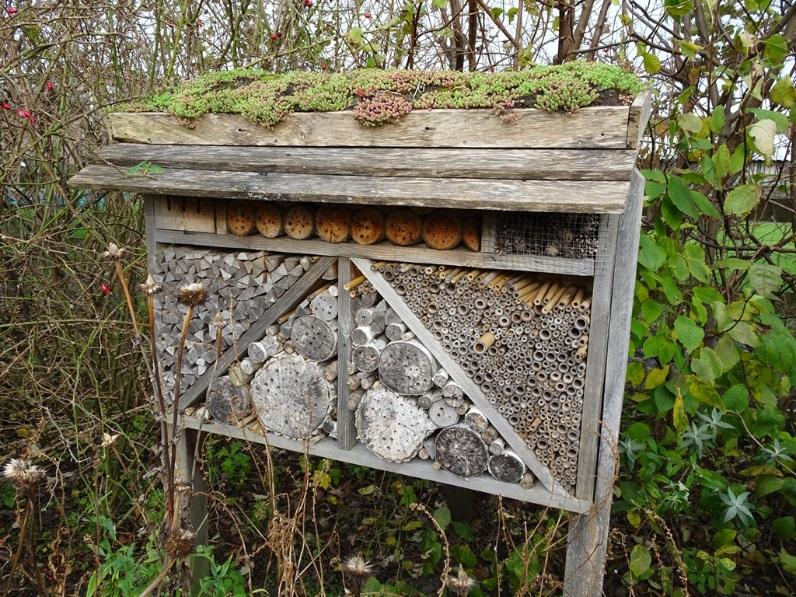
x=574, y=236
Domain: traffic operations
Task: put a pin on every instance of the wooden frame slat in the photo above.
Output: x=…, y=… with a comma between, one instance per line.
x=506, y=164
x=422, y=469
x=569, y=196
x=589, y=127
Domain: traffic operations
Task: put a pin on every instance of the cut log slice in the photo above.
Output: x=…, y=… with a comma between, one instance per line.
x=471, y=234
x=506, y=466
x=333, y=223
x=443, y=414
x=269, y=221
x=367, y=226
x=240, y=218
x=366, y=357
x=298, y=222
x=291, y=396
x=227, y=402
x=442, y=230
x=407, y=367
x=314, y=338
x=391, y=426
x=461, y=451
x=324, y=306
x=404, y=228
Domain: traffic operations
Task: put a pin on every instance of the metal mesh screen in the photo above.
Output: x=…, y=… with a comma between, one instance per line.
x=574, y=236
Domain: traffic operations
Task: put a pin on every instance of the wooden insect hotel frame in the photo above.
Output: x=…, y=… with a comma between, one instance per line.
x=482, y=343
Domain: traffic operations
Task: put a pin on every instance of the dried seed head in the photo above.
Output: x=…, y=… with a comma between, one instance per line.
x=113, y=252
x=108, y=440
x=180, y=544
x=150, y=287
x=461, y=583
x=22, y=473
x=193, y=294
x=357, y=566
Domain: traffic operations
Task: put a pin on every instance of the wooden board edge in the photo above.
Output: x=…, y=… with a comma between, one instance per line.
x=422, y=469
x=637, y=118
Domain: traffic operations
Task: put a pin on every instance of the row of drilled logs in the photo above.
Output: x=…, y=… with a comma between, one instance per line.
x=440, y=229
x=522, y=338
x=241, y=286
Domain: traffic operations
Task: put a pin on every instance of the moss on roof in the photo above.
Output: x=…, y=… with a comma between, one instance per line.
x=377, y=96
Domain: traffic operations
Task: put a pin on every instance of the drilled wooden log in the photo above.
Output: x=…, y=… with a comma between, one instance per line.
x=404, y=228
x=471, y=234
x=391, y=426
x=367, y=226
x=442, y=414
x=314, y=338
x=333, y=223
x=298, y=222
x=476, y=420
x=395, y=331
x=442, y=230
x=440, y=377
x=291, y=396
x=227, y=402
x=268, y=220
x=452, y=390
x=506, y=466
x=366, y=356
x=429, y=398
x=371, y=316
x=461, y=451
x=407, y=367
x=324, y=306
x=240, y=217
x=362, y=335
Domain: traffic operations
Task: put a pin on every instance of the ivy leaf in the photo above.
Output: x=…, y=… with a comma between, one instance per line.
x=717, y=120
x=650, y=255
x=765, y=278
x=742, y=199
x=727, y=353
x=708, y=365
x=651, y=310
x=679, y=417
x=763, y=132
x=443, y=516
x=689, y=333
x=744, y=333
x=652, y=64
x=703, y=391
x=656, y=377
x=775, y=48
x=640, y=560
x=680, y=195
x=783, y=93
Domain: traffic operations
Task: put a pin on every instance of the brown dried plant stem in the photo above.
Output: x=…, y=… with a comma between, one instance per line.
x=27, y=515
x=171, y=514
x=164, y=431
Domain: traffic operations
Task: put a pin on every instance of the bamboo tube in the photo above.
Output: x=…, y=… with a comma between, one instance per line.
x=452, y=273
x=566, y=298
x=484, y=342
x=488, y=279
x=553, y=303
x=354, y=283
x=578, y=298
x=496, y=280
x=524, y=283
x=474, y=273
x=377, y=265
x=537, y=299
x=551, y=292
x=480, y=279
x=585, y=305
x=459, y=276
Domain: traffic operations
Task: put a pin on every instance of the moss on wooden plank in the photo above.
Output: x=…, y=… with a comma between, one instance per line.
x=376, y=97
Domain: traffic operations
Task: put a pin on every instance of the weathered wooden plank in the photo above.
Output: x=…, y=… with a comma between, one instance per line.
x=595, y=359
x=196, y=214
x=346, y=432
x=463, y=193
x=256, y=331
x=638, y=116
x=488, y=232
x=149, y=231
x=471, y=389
x=593, y=126
x=508, y=164
x=421, y=469
x=588, y=534
x=383, y=252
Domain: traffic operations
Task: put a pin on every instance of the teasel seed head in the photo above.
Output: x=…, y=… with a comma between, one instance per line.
x=150, y=287
x=180, y=544
x=461, y=584
x=357, y=566
x=22, y=473
x=113, y=252
x=193, y=294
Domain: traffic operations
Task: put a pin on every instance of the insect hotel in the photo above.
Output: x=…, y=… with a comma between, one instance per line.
x=445, y=296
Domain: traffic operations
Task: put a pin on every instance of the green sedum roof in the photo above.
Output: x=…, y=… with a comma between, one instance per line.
x=377, y=97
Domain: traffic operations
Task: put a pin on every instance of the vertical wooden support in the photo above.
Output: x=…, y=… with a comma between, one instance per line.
x=587, y=542
x=346, y=433
x=194, y=510
x=595, y=360
x=149, y=231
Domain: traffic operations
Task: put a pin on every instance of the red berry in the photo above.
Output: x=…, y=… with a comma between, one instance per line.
x=275, y=36
x=367, y=14
x=27, y=115
x=105, y=288
x=5, y=106
x=50, y=85
x=307, y=3
x=11, y=11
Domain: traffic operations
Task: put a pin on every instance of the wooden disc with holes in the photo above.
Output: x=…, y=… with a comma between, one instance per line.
x=471, y=233
x=390, y=425
x=291, y=396
x=298, y=222
x=404, y=228
x=461, y=451
x=268, y=220
x=367, y=226
x=442, y=230
x=227, y=402
x=407, y=367
x=240, y=218
x=314, y=338
x=333, y=223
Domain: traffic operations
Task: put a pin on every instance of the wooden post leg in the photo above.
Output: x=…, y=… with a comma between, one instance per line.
x=193, y=510
x=587, y=542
